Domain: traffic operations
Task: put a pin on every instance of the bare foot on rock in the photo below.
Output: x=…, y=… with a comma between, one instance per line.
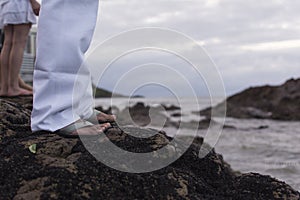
x=92, y=130
x=24, y=85
x=17, y=92
x=83, y=128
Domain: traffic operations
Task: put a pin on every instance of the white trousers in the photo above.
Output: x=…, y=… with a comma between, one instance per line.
x=65, y=30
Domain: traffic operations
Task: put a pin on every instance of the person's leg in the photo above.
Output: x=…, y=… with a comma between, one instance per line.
x=20, y=35
x=8, y=32
x=1, y=44
x=65, y=30
x=22, y=84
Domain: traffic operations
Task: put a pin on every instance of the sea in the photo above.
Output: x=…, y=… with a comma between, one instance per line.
x=267, y=147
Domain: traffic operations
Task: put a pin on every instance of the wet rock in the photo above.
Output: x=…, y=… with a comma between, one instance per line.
x=143, y=115
x=176, y=115
x=171, y=107
x=265, y=102
x=263, y=127
x=63, y=168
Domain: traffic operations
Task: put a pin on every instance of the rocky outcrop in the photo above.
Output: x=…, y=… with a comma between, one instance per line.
x=145, y=115
x=266, y=102
x=60, y=168
x=142, y=115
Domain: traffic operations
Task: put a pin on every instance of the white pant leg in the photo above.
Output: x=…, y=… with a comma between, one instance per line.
x=65, y=30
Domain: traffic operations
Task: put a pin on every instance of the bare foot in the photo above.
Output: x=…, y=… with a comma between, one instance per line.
x=18, y=92
x=92, y=130
x=87, y=129
x=24, y=85
x=102, y=117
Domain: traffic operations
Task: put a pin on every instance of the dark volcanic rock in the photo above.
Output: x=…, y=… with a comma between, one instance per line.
x=171, y=107
x=266, y=102
x=143, y=115
x=63, y=169
x=176, y=115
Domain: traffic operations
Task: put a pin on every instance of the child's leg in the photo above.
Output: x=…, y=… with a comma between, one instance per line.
x=8, y=31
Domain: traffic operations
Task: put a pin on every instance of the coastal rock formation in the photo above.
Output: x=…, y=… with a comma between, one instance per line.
x=144, y=115
x=60, y=168
x=265, y=102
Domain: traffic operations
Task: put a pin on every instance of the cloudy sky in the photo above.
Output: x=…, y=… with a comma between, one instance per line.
x=251, y=42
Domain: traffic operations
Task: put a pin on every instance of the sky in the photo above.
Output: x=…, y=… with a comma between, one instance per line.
x=250, y=42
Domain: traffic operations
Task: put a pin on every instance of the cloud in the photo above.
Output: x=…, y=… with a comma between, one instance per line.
x=162, y=17
x=252, y=42
x=272, y=46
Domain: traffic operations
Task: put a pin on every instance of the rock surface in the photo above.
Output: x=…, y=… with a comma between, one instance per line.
x=144, y=115
x=267, y=102
x=63, y=169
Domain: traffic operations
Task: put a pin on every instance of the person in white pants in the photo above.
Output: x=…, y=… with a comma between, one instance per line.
x=65, y=30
